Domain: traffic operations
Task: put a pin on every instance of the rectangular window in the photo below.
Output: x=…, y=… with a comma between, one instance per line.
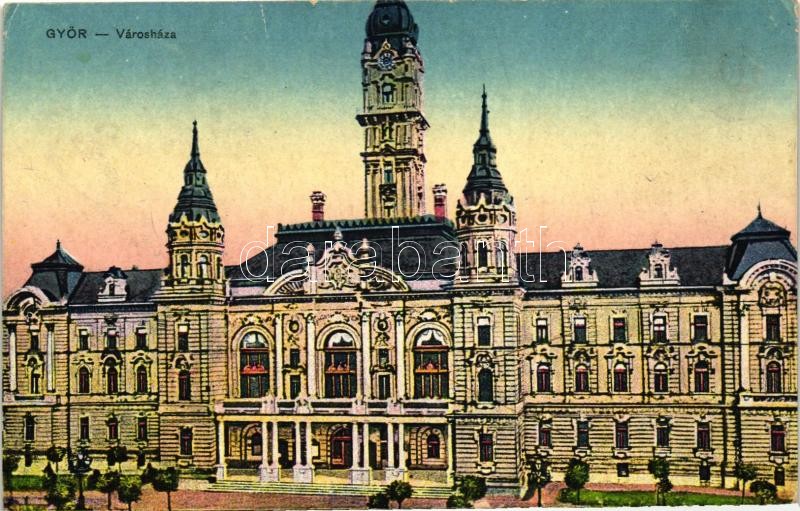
x=773, y=326
x=484, y=332
x=141, y=428
x=623, y=470
x=34, y=341
x=383, y=357
x=186, y=442
x=700, y=328
x=583, y=434
x=777, y=438
x=35, y=383
x=486, y=447
x=111, y=339
x=141, y=339
x=30, y=428
x=621, y=435
x=780, y=476
x=542, y=334
x=84, y=428
x=703, y=436
x=545, y=439
x=83, y=339
x=294, y=386
x=294, y=358
x=662, y=435
x=384, y=386
x=113, y=429
x=620, y=333
x=579, y=329
x=705, y=472
x=659, y=329
x=183, y=338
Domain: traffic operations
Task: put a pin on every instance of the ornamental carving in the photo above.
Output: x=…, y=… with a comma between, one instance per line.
x=772, y=294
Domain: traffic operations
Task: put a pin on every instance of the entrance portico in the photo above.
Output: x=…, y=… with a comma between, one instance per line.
x=357, y=449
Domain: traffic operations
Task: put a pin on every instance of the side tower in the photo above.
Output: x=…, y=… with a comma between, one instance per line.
x=195, y=238
x=394, y=161
x=486, y=217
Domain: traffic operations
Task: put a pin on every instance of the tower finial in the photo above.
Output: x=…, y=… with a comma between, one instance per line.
x=58, y=244
x=759, y=209
x=484, y=113
x=195, y=146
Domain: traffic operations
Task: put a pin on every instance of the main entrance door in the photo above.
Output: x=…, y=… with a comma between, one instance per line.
x=341, y=448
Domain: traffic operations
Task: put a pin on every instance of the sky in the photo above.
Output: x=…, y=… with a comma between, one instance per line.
x=617, y=123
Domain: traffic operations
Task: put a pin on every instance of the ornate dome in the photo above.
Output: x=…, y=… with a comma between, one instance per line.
x=391, y=20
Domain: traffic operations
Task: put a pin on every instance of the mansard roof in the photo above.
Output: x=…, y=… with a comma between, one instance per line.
x=141, y=284
x=761, y=240
x=57, y=274
x=697, y=266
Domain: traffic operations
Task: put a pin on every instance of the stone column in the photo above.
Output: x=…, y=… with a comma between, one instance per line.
x=359, y=473
x=366, y=344
x=220, y=450
x=274, y=445
x=309, y=446
x=400, y=352
x=390, y=445
x=266, y=472
x=451, y=444
x=744, y=354
x=12, y=359
x=311, y=355
x=401, y=446
x=50, y=360
x=302, y=473
x=279, y=356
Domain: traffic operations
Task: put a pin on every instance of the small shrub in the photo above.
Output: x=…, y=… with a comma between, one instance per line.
x=458, y=501
x=378, y=501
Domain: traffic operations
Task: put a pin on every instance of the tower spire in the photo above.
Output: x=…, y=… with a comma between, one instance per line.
x=485, y=139
x=195, y=146
x=484, y=175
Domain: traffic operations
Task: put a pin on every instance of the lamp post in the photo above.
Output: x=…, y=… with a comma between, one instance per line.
x=80, y=464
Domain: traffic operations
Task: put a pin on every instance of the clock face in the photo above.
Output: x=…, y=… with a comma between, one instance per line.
x=386, y=61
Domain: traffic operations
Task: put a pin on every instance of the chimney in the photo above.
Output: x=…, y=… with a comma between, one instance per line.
x=317, y=206
x=440, y=201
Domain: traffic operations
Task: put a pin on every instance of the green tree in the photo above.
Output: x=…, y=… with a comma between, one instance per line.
x=55, y=455
x=538, y=477
x=659, y=468
x=577, y=476
x=48, y=477
x=166, y=480
x=458, y=501
x=10, y=465
x=129, y=490
x=378, y=501
x=471, y=487
x=61, y=492
x=399, y=491
x=108, y=483
x=148, y=473
x=91, y=481
x=745, y=472
x=766, y=492
x=664, y=486
x=117, y=454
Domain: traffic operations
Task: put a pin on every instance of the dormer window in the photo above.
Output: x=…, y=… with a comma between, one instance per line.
x=658, y=271
x=579, y=272
x=115, y=285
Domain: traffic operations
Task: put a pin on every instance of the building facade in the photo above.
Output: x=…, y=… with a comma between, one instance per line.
x=406, y=345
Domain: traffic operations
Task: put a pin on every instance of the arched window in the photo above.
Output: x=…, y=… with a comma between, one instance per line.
x=578, y=273
x=434, y=446
x=84, y=381
x=184, y=385
x=660, y=379
x=341, y=368
x=112, y=380
x=202, y=266
x=483, y=255
x=774, y=377
x=701, y=376
x=464, y=260
x=581, y=379
x=431, y=374
x=387, y=93
x=485, y=385
x=183, y=266
x=620, y=378
x=141, y=380
x=543, y=378
x=254, y=365
x=501, y=255
x=186, y=441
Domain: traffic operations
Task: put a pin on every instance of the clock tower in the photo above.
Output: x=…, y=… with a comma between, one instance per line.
x=392, y=68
